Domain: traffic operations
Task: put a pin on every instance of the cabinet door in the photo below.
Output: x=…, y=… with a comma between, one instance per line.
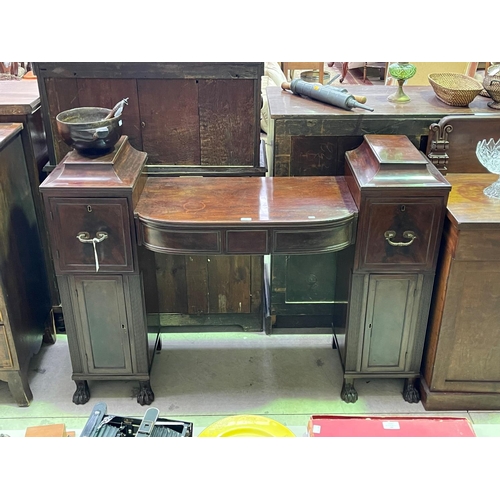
x=390, y=322
x=102, y=324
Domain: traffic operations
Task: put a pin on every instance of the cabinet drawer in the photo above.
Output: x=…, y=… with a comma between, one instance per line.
x=73, y=216
x=401, y=232
x=5, y=355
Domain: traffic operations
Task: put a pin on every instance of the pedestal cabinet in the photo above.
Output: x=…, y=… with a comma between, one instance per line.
x=401, y=198
x=89, y=205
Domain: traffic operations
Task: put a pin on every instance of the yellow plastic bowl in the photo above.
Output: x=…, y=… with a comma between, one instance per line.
x=246, y=426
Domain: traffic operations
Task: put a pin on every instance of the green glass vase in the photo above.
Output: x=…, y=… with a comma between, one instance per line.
x=401, y=71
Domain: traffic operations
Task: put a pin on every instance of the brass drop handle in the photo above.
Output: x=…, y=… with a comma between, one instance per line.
x=84, y=237
x=407, y=234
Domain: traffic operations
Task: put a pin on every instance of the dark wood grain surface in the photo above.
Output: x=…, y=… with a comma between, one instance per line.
x=284, y=104
x=170, y=123
x=468, y=206
x=116, y=169
x=391, y=161
x=453, y=141
x=174, y=114
x=174, y=70
x=245, y=201
x=20, y=103
x=24, y=298
x=462, y=357
x=310, y=137
x=18, y=97
x=227, y=121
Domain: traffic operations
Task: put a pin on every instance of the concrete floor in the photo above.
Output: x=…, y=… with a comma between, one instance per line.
x=203, y=377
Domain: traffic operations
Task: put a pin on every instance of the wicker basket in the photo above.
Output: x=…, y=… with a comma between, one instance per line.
x=455, y=89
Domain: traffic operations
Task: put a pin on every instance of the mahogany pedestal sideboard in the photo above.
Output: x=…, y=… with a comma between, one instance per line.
x=308, y=137
x=100, y=209
x=461, y=367
x=24, y=302
x=401, y=198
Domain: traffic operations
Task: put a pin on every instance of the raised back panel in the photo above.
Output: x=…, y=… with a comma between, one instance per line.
x=453, y=141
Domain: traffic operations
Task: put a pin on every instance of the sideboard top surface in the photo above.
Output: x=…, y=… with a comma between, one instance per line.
x=468, y=206
x=246, y=201
x=284, y=104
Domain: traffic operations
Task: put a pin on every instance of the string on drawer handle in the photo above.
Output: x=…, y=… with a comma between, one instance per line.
x=407, y=234
x=84, y=237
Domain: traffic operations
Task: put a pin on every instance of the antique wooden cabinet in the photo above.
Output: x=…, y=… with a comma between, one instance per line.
x=401, y=198
x=24, y=301
x=461, y=366
x=89, y=204
x=191, y=119
x=20, y=103
x=308, y=137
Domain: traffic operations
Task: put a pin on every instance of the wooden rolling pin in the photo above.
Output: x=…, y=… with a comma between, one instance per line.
x=336, y=96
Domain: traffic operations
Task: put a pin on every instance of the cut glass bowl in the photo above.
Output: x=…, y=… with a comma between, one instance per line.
x=488, y=153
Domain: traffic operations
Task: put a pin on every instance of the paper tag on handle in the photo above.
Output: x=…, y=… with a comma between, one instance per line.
x=94, y=241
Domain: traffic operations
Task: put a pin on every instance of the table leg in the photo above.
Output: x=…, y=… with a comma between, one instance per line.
x=19, y=388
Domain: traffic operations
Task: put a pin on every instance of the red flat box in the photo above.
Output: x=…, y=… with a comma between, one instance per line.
x=346, y=426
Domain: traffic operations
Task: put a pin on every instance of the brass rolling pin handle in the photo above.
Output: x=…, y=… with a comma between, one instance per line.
x=336, y=96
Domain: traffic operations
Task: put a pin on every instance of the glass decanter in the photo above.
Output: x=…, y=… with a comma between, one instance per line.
x=488, y=153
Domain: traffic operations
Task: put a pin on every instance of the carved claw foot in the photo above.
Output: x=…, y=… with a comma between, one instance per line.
x=82, y=393
x=411, y=394
x=349, y=393
x=146, y=395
